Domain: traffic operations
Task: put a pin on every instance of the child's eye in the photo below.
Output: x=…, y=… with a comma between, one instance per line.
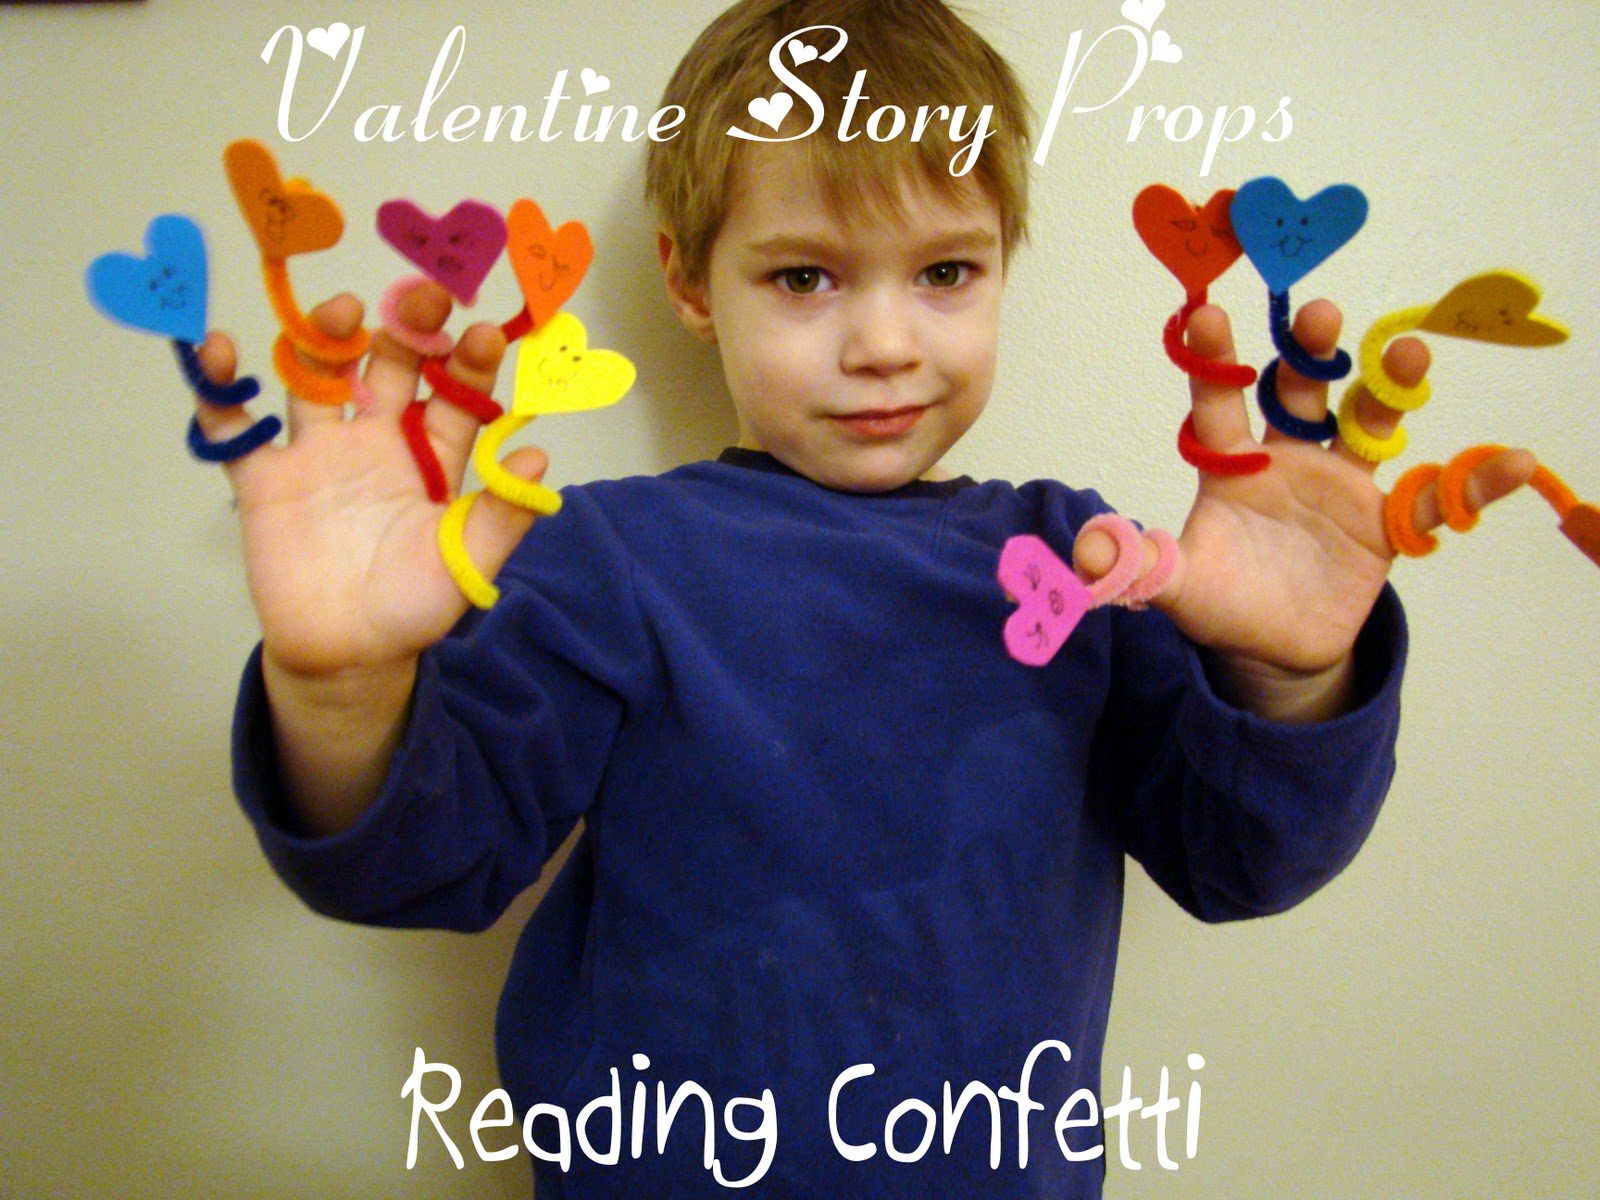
x=948, y=274
x=802, y=281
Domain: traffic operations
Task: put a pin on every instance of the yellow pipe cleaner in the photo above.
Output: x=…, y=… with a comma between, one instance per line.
x=524, y=493
x=498, y=481
x=1354, y=434
x=453, y=550
x=1382, y=386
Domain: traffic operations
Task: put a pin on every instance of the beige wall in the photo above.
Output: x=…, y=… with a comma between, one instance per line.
x=177, y=1025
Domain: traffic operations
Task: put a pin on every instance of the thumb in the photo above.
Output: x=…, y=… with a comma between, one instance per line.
x=495, y=526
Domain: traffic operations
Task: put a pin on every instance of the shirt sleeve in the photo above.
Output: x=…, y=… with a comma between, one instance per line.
x=511, y=724
x=1231, y=814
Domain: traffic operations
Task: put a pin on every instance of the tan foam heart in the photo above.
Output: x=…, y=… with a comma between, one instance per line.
x=1582, y=527
x=1496, y=306
x=286, y=216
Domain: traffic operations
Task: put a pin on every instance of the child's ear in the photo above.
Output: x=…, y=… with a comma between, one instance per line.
x=689, y=300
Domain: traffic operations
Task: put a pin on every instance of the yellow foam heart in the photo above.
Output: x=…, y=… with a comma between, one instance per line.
x=1494, y=307
x=558, y=373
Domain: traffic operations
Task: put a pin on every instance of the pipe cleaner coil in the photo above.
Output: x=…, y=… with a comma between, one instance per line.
x=1580, y=523
x=1354, y=434
x=1399, y=512
x=1138, y=595
x=229, y=449
x=1200, y=456
x=1378, y=380
x=498, y=481
x=513, y=489
x=1458, y=514
x=429, y=344
x=1296, y=355
x=297, y=327
x=223, y=395
x=1281, y=419
x=1186, y=360
x=1123, y=584
x=478, y=590
x=1124, y=572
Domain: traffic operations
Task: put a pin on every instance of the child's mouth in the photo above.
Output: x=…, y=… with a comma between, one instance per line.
x=881, y=422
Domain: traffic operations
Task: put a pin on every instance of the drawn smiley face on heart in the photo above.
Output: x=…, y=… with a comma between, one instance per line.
x=1496, y=306
x=558, y=373
x=1051, y=600
x=549, y=264
x=1194, y=242
x=456, y=250
x=287, y=217
x=1286, y=237
x=162, y=293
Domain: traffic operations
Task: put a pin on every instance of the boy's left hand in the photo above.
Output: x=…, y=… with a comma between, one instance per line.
x=1280, y=569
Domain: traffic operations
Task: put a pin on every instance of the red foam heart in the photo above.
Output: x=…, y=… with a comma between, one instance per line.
x=549, y=264
x=1195, y=243
x=1582, y=527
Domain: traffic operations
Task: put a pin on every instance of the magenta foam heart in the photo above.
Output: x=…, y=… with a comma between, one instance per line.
x=1051, y=600
x=457, y=250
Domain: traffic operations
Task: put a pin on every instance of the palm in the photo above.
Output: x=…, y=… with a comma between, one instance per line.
x=340, y=537
x=1282, y=567
x=341, y=553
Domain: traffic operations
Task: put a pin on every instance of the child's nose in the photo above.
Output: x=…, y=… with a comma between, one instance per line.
x=881, y=335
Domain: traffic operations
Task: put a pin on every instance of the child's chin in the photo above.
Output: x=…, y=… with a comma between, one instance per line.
x=868, y=480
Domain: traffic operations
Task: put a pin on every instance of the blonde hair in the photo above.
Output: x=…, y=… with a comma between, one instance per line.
x=915, y=52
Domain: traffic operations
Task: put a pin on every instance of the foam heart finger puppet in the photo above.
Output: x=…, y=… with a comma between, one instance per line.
x=1193, y=241
x=557, y=372
x=456, y=250
x=162, y=293
x=1496, y=306
x=549, y=263
x=287, y=217
x=1051, y=600
x=1285, y=237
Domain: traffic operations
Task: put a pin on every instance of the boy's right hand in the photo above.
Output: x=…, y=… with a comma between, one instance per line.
x=340, y=538
x=342, y=557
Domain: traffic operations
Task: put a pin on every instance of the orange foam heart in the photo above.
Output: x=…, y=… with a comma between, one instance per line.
x=549, y=264
x=1194, y=242
x=1496, y=306
x=286, y=216
x=1582, y=527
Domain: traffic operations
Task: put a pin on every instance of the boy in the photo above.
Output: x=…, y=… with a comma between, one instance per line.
x=829, y=825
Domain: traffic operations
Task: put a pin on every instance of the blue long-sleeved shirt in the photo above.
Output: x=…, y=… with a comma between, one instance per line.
x=829, y=821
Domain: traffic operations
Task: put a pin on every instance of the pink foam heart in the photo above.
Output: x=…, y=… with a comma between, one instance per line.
x=1051, y=600
x=457, y=250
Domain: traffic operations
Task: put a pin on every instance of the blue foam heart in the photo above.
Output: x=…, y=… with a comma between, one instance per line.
x=162, y=293
x=1286, y=237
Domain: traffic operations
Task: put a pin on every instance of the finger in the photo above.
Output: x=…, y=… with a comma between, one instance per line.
x=494, y=527
x=219, y=360
x=393, y=369
x=1221, y=420
x=1316, y=328
x=1491, y=480
x=339, y=317
x=1095, y=553
x=1406, y=361
x=475, y=362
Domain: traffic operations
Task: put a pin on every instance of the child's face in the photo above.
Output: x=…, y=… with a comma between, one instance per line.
x=857, y=349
